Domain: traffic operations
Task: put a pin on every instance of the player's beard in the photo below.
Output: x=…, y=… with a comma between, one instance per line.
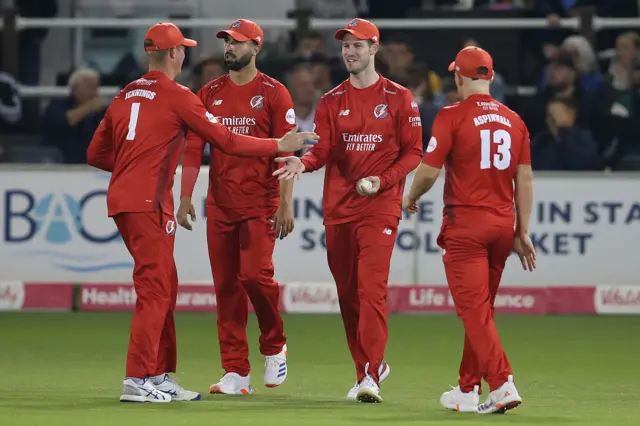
x=236, y=64
x=357, y=67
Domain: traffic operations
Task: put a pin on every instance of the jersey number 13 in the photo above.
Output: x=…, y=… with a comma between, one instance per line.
x=500, y=160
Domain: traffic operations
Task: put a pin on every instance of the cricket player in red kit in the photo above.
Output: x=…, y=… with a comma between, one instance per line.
x=247, y=208
x=484, y=147
x=370, y=139
x=140, y=142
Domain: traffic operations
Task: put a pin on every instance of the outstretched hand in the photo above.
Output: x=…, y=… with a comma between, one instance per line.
x=292, y=168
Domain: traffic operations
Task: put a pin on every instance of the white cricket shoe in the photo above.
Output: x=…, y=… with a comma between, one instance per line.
x=368, y=390
x=506, y=397
x=275, y=368
x=457, y=400
x=383, y=372
x=167, y=384
x=232, y=384
x=144, y=392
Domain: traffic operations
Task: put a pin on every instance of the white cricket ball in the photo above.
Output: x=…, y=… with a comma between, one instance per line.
x=365, y=185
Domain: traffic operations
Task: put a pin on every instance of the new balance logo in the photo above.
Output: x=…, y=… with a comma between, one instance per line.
x=344, y=113
x=387, y=231
x=217, y=102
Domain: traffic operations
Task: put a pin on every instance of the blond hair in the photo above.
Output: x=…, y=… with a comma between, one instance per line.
x=158, y=57
x=82, y=74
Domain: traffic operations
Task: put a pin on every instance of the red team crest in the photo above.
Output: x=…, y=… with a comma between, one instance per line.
x=381, y=111
x=257, y=102
x=170, y=227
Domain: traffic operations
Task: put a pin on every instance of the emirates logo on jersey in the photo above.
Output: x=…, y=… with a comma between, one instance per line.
x=257, y=102
x=381, y=111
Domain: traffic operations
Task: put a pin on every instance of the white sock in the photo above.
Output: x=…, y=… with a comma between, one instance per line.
x=156, y=380
x=135, y=380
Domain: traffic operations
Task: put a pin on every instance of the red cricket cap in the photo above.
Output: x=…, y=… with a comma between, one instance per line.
x=360, y=28
x=243, y=30
x=473, y=62
x=165, y=35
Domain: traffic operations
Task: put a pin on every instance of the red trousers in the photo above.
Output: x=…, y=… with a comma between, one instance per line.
x=474, y=258
x=241, y=253
x=359, y=257
x=150, y=238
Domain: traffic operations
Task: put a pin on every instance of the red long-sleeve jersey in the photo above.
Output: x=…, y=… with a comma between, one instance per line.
x=374, y=131
x=480, y=142
x=142, y=136
x=261, y=108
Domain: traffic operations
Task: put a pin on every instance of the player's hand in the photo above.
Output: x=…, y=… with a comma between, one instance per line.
x=526, y=252
x=283, y=221
x=292, y=167
x=366, y=190
x=186, y=209
x=294, y=141
x=409, y=205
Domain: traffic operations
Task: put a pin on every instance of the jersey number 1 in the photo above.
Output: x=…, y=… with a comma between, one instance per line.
x=502, y=159
x=133, y=120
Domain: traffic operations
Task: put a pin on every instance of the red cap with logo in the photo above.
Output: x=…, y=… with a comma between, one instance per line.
x=243, y=30
x=473, y=62
x=361, y=29
x=165, y=35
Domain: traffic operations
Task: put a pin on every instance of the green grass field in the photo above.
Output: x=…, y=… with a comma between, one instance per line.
x=66, y=369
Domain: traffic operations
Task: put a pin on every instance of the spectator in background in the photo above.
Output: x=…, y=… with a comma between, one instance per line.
x=206, y=70
x=627, y=126
x=621, y=65
x=450, y=93
x=420, y=86
x=321, y=69
x=310, y=44
x=498, y=86
x=585, y=61
x=399, y=57
x=69, y=123
x=593, y=109
x=619, y=78
x=329, y=9
x=564, y=146
x=10, y=104
x=305, y=97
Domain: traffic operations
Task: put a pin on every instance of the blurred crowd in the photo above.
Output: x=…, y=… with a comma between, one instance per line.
x=583, y=116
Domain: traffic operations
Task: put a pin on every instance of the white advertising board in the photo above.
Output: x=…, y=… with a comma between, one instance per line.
x=54, y=228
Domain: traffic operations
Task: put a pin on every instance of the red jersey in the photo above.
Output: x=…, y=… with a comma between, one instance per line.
x=374, y=131
x=480, y=142
x=142, y=136
x=261, y=108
